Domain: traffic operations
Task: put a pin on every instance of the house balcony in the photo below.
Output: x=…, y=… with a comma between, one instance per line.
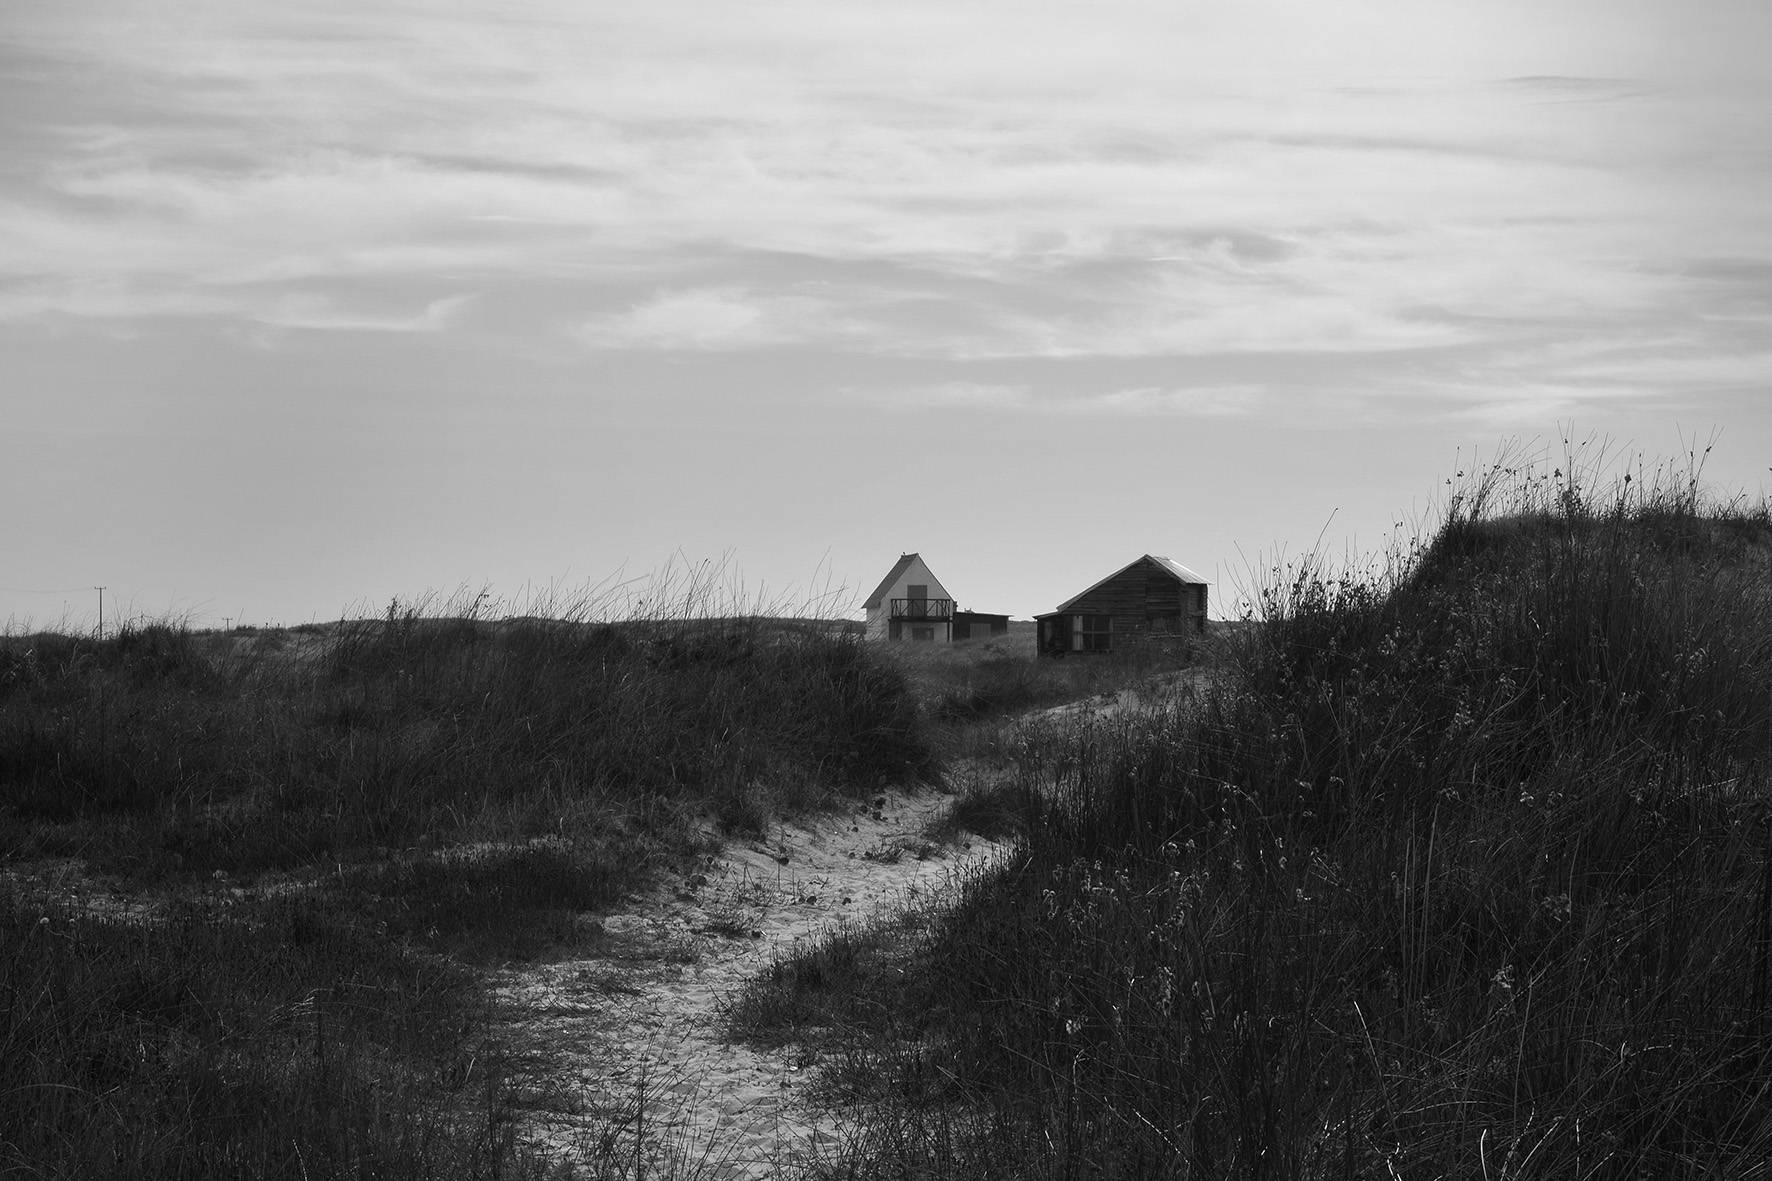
x=935, y=610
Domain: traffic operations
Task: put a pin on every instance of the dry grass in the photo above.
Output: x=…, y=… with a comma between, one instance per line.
x=323, y=829
x=1458, y=869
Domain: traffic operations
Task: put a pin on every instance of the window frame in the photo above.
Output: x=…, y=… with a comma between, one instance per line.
x=1092, y=633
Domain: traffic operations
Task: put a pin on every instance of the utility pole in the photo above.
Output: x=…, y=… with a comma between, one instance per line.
x=101, y=611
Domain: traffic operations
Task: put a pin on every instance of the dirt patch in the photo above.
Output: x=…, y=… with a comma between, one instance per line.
x=623, y=1055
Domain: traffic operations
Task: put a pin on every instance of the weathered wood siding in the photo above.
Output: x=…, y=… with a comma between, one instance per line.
x=976, y=625
x=1143, y=598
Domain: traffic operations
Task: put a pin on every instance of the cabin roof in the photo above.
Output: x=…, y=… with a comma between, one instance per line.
x=1176, y=569
x=903, y=564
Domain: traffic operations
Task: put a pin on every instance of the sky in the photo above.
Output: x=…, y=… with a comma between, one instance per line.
x=305, y=307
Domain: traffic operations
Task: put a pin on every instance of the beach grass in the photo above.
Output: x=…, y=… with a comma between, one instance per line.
x=1457, y=865
x=250, y=878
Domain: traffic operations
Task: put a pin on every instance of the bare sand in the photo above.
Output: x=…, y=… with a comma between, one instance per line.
x=624, y=1055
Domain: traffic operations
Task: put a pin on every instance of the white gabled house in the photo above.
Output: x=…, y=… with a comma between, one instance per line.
x=910, y=604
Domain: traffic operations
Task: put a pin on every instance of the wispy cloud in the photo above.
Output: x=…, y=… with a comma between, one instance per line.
x=1155, y=180
x=1217, y=401
x=950, y=395
x=1225, y=401
x=317, y=313
x=720, y=318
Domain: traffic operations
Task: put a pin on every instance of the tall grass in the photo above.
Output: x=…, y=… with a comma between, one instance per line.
x=331, y=824
x=1001, y=678
x=287, y=1039
x=1459, y=868
x=163, y=750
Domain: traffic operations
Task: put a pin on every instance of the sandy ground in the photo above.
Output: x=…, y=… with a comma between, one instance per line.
x=637, y=1026
x=1158, y=693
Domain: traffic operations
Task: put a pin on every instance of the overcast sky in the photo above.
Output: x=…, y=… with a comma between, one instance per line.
x=303, y=306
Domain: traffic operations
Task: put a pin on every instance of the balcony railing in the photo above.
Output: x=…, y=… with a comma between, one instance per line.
x=937, y=609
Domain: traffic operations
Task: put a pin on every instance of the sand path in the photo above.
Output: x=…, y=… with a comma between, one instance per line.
x=636, y=1028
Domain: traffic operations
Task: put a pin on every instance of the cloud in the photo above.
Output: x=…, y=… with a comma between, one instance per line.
x=1213, y=401
x=317, y=313
x=1224, y=401
x=1157, y=180
x=950, y=395
x=717, y=318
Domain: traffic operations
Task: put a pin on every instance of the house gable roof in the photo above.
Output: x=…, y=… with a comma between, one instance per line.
x=1174, y=569
x=903, y=564
x=1182, y=573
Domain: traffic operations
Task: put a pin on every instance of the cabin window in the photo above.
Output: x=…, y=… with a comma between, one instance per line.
x=1092, y=633
x=923, y=633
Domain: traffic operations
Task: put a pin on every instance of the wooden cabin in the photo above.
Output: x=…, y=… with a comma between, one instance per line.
x=910, y=604
x=1151, y=600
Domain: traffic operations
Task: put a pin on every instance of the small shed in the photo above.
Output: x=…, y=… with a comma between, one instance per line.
x=979, y=625
x=910, y=604
x=1153, y=599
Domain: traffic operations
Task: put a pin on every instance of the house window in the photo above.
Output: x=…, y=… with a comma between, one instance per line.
x=1092, y=633
x=923, y=633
